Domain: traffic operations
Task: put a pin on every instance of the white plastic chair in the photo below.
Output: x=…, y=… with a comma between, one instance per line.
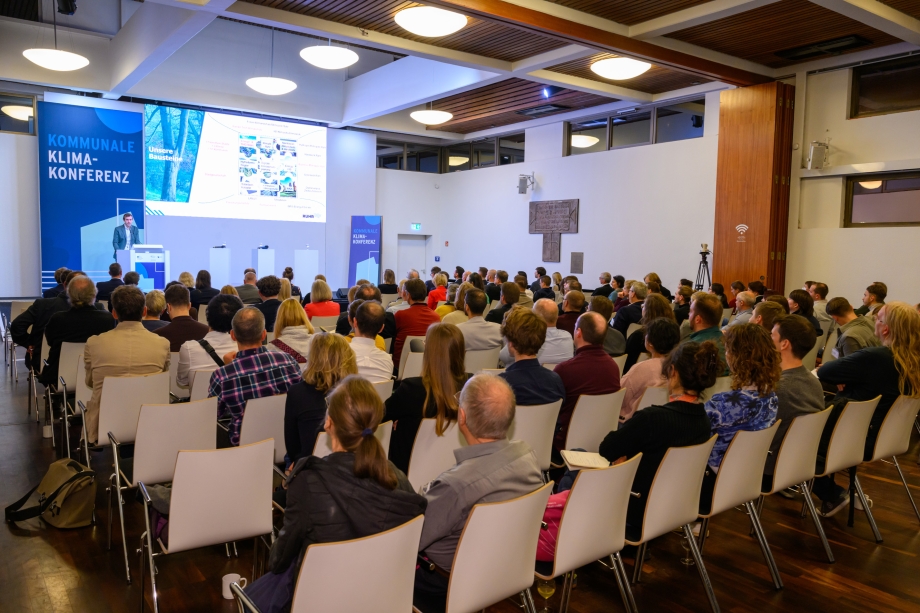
x=384, y=389
x=722, y=384
x=620, y=362
x=632, y=328
x=738, y=483
x=476, y=361
x=536, y=425
x=592, y=419
x=653, y=396
x=894, y=437
x=198, y=383
x=593, y=526
x=383, y=432
x=202, y=314
x=726, y=314
x=412, y=365
x=548, y=366
x=264, y=418
x=325, y=322
x=432, y=454
x=828, y=355
x=495, y=555
x=404, y=356
x=673, y=502
x=174, y=388
x=68, y=369
x=386, y=299
x=812, y=356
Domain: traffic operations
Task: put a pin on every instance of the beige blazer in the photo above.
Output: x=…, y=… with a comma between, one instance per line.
x=128, y=350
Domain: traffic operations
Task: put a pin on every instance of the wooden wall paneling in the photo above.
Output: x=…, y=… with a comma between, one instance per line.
x=778, y=280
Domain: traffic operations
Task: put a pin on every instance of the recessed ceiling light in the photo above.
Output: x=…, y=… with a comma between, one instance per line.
x=55, y=59
x=329, y=57
x=457, y=160
x=22, y=113
x=583, y=141
x=870, y=184
x=619, y=68
x=271, y=86
x=431, y=118
x=430, y=21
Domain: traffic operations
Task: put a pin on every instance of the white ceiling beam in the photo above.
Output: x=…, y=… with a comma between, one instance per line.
x=715, y=56
x=693, y=90
x=551, y=58
x=564, y=12
x=693, y=16
x=589, y=86
x=877, y=15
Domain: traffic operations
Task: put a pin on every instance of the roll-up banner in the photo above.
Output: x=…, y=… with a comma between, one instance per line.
x=364, y=254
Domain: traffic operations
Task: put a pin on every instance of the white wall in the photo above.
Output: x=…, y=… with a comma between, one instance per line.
x=20, y=273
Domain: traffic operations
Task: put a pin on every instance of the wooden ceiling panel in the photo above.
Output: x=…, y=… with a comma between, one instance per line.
x=492, y=40
x=758, y=34
x=909, y=7
x=629, y=12
x=656, y=81
x=498, y=104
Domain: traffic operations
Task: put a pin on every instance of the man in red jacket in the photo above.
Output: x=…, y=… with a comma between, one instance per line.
x=415, y=320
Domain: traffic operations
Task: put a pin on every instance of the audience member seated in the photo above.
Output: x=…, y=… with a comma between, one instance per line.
x=331, y=360
x=289, y=275
x=494, y=289
x=352, y=493
x=439, y=293
x=59, y=275
x=460, y=314
x=269, y=287
x=758, y=289
x=605, y=288
x=75, y=325
x=655, y=306
x=510, y=294
x=181, y=326
x=186, y=279
x=873, y=298
x=126, y=351
x=132, y=278
x=414, y=320
x=854, y=332
x=207, y=353
x=489, y=469
x=661, y=336
x=538, y=274
x=389, y=282
x=558, y=346
x=620, y=294
x=632, y=313
x=682, y=303
x=782, y=301
x=557, y=282
x=689, y=369
x=718, y=289
x=284, y=290
x=449, y=306
x=545, y=290
x=744, y=310
x=766, y=313
x=401, y=302
x=475, y=279
x=614, y=343
x=801, y=303
x=374, y=363
x=229, y=290
x=524, y=332
x=348, y=330
x=887, y=371
x=799, y=392
x=203, y=292
x=104, y=289
x=321, y=304
x=590, y=372
x=248, y=291
x=573, y=305
x=735, y=288
x=155, y=301
x=431, y=284
x=412, y=274
x=653, y=288
x=653, y=277
x=479, y=334
x=526, y=298
x=819, y=292
x=705, y=315
x=293, y=333
x=460, y=275
x=250, y=372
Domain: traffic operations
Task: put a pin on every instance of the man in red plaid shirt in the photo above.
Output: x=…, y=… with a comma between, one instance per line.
x=250, y=372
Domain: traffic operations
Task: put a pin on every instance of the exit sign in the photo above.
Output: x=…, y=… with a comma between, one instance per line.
x=416, y=226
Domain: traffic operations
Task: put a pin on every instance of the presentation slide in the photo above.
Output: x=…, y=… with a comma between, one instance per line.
x=203, y=164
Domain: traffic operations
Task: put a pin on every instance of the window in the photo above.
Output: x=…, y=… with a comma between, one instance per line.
x=421, y=158
x=17, y=113
x=883, y=200
x=458, y=157
x=390, y=155
x=588, y=136
x=484, y=153
x=886, y=87
x=511, y=149
x=680, y=122
x=631, y=129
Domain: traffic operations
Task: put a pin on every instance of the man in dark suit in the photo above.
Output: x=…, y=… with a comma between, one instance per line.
x=494, y=289
x=544, y=291
x=510, y=294
x=538, y=274
x=269, y=287
x=605, y=288
x=104, y=289
x=181, y=327
x=59, y=275
x=429, y=285
x=127, y=235
x=632, y=313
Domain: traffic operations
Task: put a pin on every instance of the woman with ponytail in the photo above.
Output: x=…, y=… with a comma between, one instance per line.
x=352, y=493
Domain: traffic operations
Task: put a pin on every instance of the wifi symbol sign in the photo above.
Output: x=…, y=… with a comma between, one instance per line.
x=741, y=228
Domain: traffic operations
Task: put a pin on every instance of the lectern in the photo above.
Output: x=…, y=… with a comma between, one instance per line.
x=151, y=262
x=263, y=260
x=220, y=266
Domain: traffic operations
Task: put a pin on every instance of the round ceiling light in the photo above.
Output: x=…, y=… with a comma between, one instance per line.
x=329, y=57
x=271, y=86
x=22, y=113
x=870, y=184
x=583, y=141
x=619, y=68
x=430, y=21
x=55, y=59
x=431, y=118
x=457, y=160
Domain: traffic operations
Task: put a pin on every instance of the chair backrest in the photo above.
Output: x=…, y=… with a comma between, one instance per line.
x=221, y=496
x=410, y=364
x=264, y=418
x=105, y=304
x=384, y=389
x=320, y=322
x=441, y=303
x=593, y=523
x=323, y=445
x=432, y=454
x=592, y=419
x=476, y=361
x=653, y=396
x=812, y=356
x=121, y=402
x=740, y=474
x=722, y=384
x=674, y=498
x=173, y=372
x=385, y=562
x=726, y=313
x=18, y=307
x=495, y=555
x=795, y=459
x=632, y=328
x=45, y=352
x=202, y=314
x=848, y=441
x=406, y=351
x=386, y=299
x=165, y=429
x=894, y=434
x=67, y=363
x=199, y=382
x=620, y=362
x=536, y=425
x=83, y=392
x=387, y=343
x=828, y=355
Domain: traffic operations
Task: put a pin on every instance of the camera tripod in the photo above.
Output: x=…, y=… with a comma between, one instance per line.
x=702, y=274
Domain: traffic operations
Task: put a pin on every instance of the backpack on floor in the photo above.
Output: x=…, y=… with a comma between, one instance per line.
x=65, y=498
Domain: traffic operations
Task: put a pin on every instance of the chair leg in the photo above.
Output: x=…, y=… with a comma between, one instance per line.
x=764, y=546
x=227, y=548
x=806, y=491
x=868, y=511
x=143, y=552
x=640, y=558
x=906, y=488
x=121, y=513
x=153, y=568
x=688, y=531
x=567, y=592
x=110, y=491
x=704, y=528
x=527, y=597
x=629, y=603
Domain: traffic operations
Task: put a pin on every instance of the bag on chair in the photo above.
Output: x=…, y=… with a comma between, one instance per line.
x=65, y=498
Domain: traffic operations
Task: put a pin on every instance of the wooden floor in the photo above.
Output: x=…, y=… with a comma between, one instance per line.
x=45, y=569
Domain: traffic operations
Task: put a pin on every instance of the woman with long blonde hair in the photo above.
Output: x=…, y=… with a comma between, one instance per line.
x=431, y=395
x=186, y=279
x=293, y=332
x=229, y=290
x=285, y=292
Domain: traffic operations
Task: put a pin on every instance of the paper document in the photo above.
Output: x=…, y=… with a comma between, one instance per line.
x=576, y=460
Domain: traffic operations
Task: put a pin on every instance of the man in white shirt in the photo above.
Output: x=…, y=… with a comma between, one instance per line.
x=744, y=307
x=819, y=292
x=558, y=346
x=193, y=355
x=373, y=364
x=478, y=334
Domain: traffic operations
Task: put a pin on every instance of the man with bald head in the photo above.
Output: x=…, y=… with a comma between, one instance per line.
x=590, y=372
x=248, y=291
x=489, y=469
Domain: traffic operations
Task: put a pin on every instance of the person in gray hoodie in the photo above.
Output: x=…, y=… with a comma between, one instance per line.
x=855, y=332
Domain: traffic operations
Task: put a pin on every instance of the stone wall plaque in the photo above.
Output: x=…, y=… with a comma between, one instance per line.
x=552, y=219
x=551, y=247
x=578, y=263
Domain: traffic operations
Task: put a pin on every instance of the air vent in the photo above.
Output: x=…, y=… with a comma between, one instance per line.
x=827, y=47
x=543, y=109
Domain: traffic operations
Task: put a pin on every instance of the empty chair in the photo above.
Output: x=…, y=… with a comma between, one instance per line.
x=536, y=425
x=199, y=381
x=495, y=555
x=432, y=454
x=653, y=396
x=405, y=354
x=384, y=389
x=593, y=526
x=738, y=482
x=722, y=384
x=894, y=437
x=174, y=388
x=264, y=418
x=383, y=432
x=235, y=481
x=673, y=502
x=592, y=419
x=412, y=365
x=476, y=361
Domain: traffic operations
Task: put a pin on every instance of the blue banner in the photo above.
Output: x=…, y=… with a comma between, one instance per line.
x=91, y=173
x=364, y=254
